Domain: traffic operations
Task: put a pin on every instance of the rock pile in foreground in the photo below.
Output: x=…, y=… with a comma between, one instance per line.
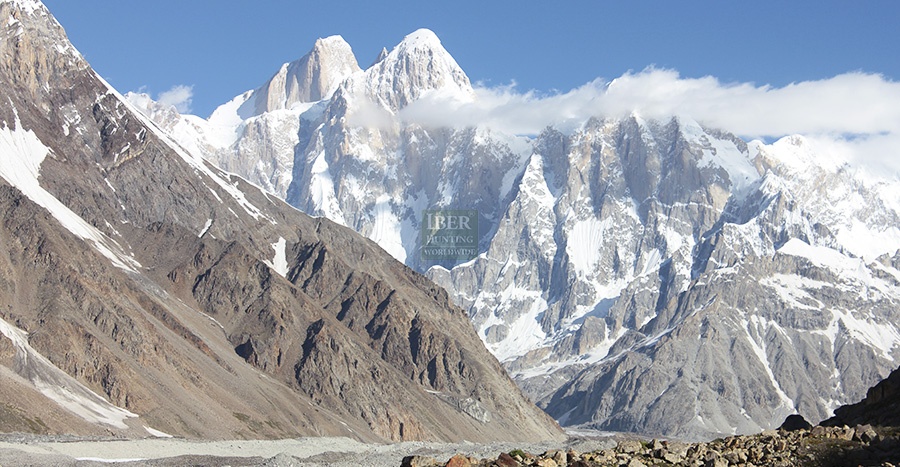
x=818, y=446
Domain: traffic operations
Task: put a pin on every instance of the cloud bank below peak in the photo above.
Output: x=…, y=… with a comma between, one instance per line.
x=858, y=111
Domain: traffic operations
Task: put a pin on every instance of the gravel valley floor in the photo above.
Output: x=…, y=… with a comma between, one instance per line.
x=66, y=451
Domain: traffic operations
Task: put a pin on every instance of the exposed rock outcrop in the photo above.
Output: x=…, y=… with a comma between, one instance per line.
x=197, y=304
x=656, y=276
x=880, y=407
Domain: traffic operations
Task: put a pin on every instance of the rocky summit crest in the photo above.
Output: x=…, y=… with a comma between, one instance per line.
x=313, y=77
x=417, y=65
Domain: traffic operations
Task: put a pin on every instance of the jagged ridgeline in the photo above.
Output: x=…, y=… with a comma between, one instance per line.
x=657, y=276
x=146, y=292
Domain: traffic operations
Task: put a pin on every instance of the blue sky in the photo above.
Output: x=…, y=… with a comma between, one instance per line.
x=222, y=48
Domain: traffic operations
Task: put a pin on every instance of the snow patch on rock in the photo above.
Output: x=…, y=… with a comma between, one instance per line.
x=59, y=386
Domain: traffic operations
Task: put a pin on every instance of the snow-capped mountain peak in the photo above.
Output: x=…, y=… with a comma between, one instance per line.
x=606, y=251
x=420, y=39
x=335, y=42
x=254, y=134
x=112, y=218
x=313, y=77
x=416, y=66
x=381, y=56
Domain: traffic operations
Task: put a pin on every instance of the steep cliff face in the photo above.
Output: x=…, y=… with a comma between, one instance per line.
x=360, y=164
x=653, y=276
x=644, y=275
x=143, y=290
x=312, y=78
x=668, y=278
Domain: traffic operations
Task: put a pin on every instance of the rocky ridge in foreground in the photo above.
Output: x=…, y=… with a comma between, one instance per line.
x=881, y=406
x=796, y=442
x=819, y=446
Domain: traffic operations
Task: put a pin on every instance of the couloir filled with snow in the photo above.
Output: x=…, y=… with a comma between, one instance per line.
x=605, y=247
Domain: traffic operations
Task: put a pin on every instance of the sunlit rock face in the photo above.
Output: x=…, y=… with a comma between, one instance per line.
x=644, y=275
x=145, y=291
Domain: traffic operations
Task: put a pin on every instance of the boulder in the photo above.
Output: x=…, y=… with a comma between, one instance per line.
x=795, y=422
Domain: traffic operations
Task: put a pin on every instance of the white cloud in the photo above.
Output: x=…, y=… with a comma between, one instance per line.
x=365, y=113
x=179, y=96
x=876, y=154
x=859, y=112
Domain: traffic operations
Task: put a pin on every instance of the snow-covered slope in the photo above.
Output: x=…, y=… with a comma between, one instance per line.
x=360, y=165
x=255, y=134
x=61, y=388
x=742, y=302
x=651, y=275
x=418, y=66
x=141, y=285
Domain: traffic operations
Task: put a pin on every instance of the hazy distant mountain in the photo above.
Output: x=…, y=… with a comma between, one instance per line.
x=145, y=291
x=656, y=276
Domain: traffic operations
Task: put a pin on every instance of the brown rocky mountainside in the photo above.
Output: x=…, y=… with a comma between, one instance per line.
x=160, y=294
